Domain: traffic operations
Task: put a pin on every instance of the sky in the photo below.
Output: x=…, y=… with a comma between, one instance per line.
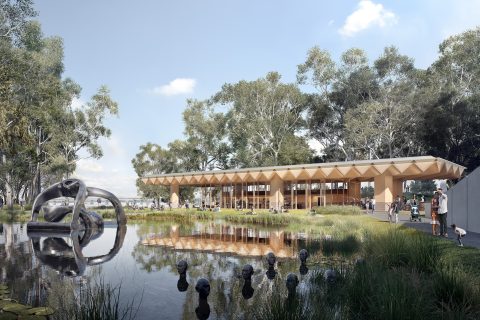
x=154, y=55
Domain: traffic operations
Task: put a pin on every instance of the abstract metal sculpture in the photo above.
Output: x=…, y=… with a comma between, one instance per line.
x=82, y=219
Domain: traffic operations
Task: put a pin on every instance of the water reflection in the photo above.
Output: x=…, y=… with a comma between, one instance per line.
x=229, y=239
x=67, y=259
x=44, y=267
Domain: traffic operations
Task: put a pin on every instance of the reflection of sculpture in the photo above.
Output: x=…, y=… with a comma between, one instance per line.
x=303, y=269
x=203, y=289
x=271, y=259
x=203, y=309
x=1, y=228
x=69, y=260
x=271, y=273
x=247, y=272
x=81, y=219
x=303, y=255
x=247, y=290
x=182, y=284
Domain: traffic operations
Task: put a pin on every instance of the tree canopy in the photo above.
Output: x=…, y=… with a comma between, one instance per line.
x=41, y=134
x=354, y=109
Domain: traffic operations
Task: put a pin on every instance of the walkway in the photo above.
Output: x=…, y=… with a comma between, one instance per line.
x=472, y=239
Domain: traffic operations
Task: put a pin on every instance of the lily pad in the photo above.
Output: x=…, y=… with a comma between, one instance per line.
x=4, y=291
x=7, y=316
x=3, y=287
x=41, y=311
x=16, y=308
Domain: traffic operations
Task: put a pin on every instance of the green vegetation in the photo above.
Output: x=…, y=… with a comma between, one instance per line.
x=405, y=274
x=98, y=301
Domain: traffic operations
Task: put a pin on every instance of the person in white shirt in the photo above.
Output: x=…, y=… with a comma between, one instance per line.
x=460, y=234
x=442, y=212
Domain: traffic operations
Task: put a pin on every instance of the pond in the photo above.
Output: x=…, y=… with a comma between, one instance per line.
x=51, y=270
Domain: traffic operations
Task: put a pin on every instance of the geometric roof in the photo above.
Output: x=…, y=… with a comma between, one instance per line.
x=411, y=168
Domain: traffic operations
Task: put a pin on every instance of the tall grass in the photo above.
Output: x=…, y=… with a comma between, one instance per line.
x=397, y=248
x=98, y=301
x=340, y=210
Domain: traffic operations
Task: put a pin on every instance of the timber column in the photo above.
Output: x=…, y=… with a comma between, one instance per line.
x=354, y=192
x=384, y=189
x=174, y=193
x=397, y=188
x=276, y=192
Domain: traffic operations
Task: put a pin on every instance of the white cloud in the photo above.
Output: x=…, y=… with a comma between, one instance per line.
x=367, y=14
x=89, y=165
x=177, y=86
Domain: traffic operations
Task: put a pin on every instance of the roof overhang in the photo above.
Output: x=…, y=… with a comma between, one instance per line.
x=412, y=168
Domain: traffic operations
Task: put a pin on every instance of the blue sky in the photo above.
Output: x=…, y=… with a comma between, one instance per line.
x=153, y=55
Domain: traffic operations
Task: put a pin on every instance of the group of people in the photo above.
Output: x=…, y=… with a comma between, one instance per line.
x=439, y=217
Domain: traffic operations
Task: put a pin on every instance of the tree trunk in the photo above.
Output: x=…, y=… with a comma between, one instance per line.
x=8, y=187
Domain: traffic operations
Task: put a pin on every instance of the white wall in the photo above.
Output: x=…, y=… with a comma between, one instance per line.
x=464, y=202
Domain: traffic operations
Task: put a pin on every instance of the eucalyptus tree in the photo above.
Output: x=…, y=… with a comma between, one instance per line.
x=384, y=126
x=153, y=159
x=338, y=88
x=450, y=101
x=37, y=123
x=263, y=116
x=206, y=135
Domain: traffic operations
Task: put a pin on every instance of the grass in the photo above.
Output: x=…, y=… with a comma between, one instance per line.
x=98, y=301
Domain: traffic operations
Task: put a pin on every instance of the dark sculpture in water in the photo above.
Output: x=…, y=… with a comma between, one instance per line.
x=82, y=219
x=271, y=259
x=182, y=267
x=247, y=290
x=303, y=255
x=247, y=272
x=203, y=289
x=182, y=284
x=291, y=282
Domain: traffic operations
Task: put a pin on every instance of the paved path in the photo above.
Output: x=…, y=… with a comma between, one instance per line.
x=471, y=239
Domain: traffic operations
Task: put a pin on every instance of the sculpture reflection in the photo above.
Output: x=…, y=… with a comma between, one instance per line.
x=68, y=260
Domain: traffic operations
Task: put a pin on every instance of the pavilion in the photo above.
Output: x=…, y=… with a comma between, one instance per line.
x=305, y=186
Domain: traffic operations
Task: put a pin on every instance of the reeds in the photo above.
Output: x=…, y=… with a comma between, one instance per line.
x=98, y=301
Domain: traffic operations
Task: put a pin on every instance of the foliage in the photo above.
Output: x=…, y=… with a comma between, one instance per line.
x=41, y=134
x=98, y=301
x=426, y=187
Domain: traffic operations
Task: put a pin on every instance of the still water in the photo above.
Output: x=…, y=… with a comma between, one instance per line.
x=44, y=270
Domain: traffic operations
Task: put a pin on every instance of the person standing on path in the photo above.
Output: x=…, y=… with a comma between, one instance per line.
x=442, y=212
x=435, y=214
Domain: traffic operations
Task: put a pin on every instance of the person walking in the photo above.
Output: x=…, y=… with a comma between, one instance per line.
x=434, y=212
x=442, y=212
x=460, y=234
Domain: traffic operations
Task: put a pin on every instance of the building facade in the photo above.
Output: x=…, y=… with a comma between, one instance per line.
x=306, y=186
